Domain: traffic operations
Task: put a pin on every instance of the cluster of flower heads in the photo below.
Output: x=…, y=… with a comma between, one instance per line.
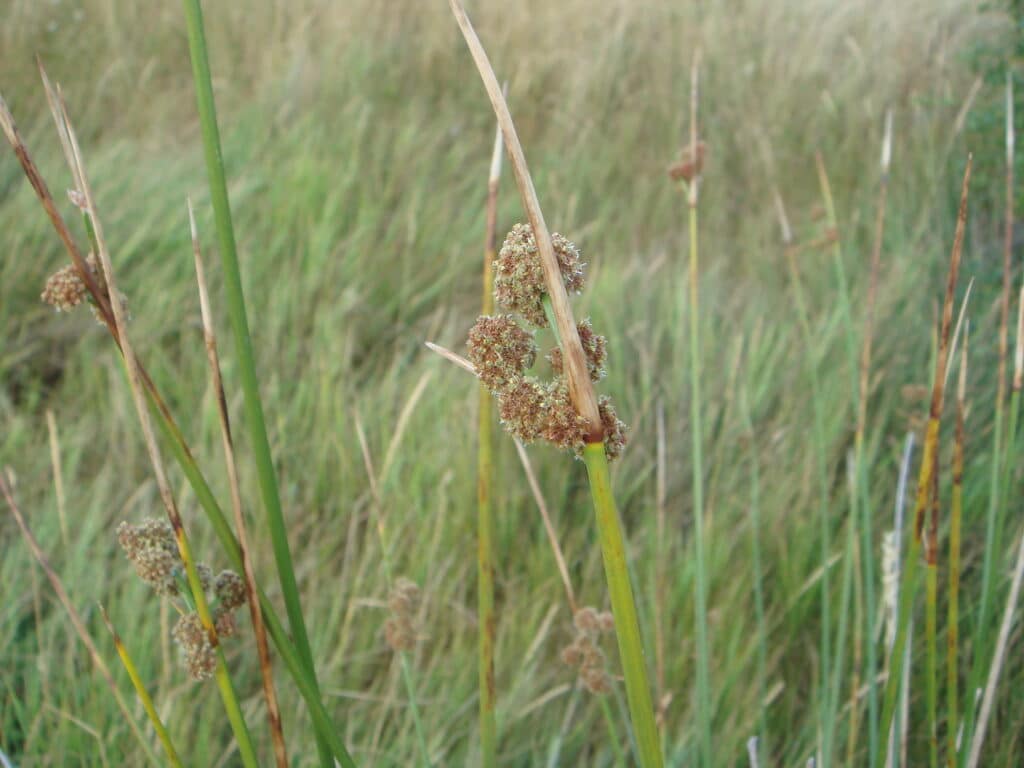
x=153, y=550
x=584, y=652
x=65, y=289
x=502, y=351
x=399, y=629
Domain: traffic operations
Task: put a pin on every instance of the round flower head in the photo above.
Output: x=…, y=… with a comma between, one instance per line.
x=519, y=276
x=500, y=350
x=523, y=408
x=154, y=552
x=65, y=289
x=595, y=350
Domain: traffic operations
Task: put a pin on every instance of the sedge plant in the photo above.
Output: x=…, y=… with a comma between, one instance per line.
x=595, y=427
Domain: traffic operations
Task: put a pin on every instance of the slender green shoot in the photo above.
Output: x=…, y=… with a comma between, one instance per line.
x=931, y=620
x=143, y=694
x=956, y=514
x=235, y=301
x=485, y=483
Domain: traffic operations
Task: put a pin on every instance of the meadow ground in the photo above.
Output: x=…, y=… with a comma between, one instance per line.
x=357, y=140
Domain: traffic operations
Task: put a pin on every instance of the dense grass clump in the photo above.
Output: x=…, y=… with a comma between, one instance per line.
x=357, y=141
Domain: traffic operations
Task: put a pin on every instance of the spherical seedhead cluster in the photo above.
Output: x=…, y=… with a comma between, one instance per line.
x=230, y=590
x=64, y=289
x=399, y=629
x=584, y=652
x=519, y=276
x=595, y=349
x=154, y=552
x=500, y=350
x=194, y=641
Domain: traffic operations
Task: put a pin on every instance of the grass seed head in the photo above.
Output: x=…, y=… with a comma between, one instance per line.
x=562, y=424
x=500, y=350
x=519, y=276
x=614, y=429
x=399, y=629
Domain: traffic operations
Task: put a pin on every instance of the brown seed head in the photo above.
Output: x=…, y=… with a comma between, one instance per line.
x=690, y=163
x=519, y=276
x=522, y=408
x=225, y=623
x=500, y=350
x=586, y=620
x=153, y=551
x=64, y=290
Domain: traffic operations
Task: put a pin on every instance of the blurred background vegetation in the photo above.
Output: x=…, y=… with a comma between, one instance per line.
x=357, y=139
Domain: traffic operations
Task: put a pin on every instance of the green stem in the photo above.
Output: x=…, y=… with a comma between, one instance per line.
x=700, y=601
x=243, y=344
x=931, y=632
x=620, y=590
x=485, y=584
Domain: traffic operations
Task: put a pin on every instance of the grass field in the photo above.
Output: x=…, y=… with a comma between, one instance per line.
x=357, y=141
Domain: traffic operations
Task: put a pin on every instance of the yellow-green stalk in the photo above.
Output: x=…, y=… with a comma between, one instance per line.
x=143, y=694
x=700, y=598
x=484, y=487
x=931, y=551
x=908, y=587
x=584, y=399
x=956, y=513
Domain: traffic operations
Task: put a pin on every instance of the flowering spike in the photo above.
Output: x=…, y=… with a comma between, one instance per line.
x=500, y=350
x=519, y=276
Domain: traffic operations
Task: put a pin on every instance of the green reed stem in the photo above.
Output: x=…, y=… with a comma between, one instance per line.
x=620, y=590
x=953, y=616
x=931, y=633
x=700, y=601
x=763, y=748
x=243, y=344
x=485, y=519
x=143, y=694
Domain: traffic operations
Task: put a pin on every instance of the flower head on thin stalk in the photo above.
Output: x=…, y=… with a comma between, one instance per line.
x=500, y=350
x=64, y=289
x=153, y=551
x=519, y=275
x=523, y=407
x=199, y=654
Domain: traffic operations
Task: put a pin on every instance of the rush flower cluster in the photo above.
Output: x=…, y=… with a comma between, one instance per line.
x=502, y=351
x=153, y=550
